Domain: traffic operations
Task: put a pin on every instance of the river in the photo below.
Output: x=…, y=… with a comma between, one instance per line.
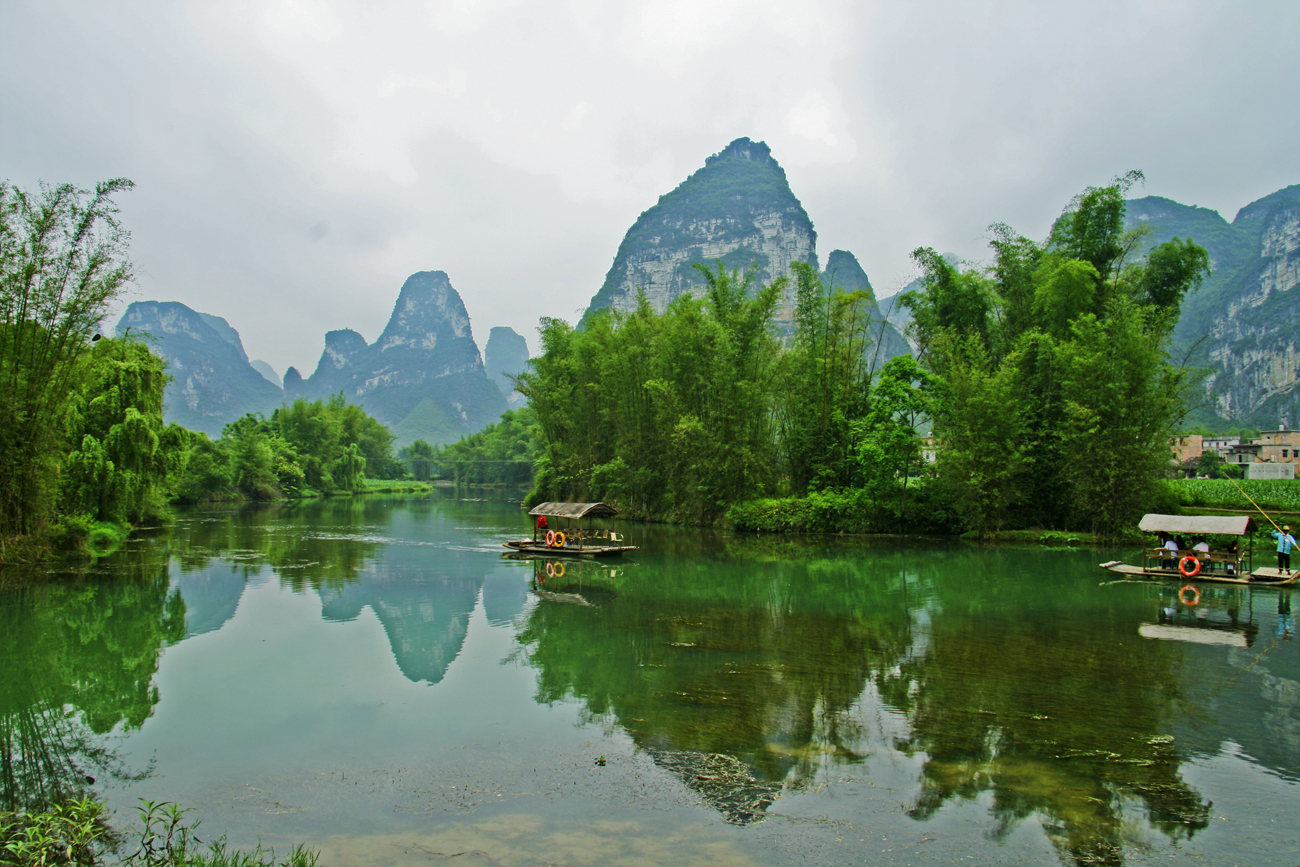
x=373, y=678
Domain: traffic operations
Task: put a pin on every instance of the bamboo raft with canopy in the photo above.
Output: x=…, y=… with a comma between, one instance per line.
x=581, y=540
x=1227, y=565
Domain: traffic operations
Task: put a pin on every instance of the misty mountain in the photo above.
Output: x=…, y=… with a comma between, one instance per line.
x=423, y=376
x=212, y=382
x=505, y=357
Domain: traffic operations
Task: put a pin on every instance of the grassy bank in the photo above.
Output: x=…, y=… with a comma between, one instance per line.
x=846, y=512
x=77, y=832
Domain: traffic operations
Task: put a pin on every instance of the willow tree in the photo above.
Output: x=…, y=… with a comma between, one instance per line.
x=63, y=261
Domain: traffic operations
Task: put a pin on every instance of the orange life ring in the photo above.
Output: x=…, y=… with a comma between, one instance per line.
x=559, y=539
x=1189, y=571
x=1196, y=596
x=559, y=570
x=550, y=538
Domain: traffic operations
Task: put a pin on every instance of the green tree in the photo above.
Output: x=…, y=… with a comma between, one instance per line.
x=1057, y=390
x=63, y=261
x=118, y=469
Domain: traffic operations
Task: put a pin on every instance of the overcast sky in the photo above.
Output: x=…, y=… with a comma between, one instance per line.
x=295, y=161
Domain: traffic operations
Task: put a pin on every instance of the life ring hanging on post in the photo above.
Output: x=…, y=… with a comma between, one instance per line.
x=1196, y=595
x=1189, y=569
x=550, y=538
x=559, y=539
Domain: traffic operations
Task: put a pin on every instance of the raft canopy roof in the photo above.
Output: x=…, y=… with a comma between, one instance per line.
x=574, y=510
x=1199, y=525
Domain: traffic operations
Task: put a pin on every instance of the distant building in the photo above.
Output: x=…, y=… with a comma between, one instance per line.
x=1270, y=471
x=1185, y=447
x=1219, y=444
x=1242, y=453
x=929, y=449
x=1279, y=446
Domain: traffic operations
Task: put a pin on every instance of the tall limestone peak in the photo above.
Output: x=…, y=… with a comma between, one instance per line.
x=212, y=382
x=428, y=310
x=423, y=376
x=737, y=209
x=844, y=273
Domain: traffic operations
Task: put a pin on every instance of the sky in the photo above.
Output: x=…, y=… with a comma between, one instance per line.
x=295, y=161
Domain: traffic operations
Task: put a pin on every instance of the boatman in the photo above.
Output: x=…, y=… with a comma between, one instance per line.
x=1285, y=542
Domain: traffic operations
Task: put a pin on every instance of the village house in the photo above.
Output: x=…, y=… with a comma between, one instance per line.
x=1186, y=447
x=1279, y=446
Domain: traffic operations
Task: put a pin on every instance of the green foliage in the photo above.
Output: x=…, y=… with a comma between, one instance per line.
x=78, y=833
x=684, y=398
x=1280, y=494
x=1056, y=396
x=311, y=446
x=62, y=264
x=117, y=469
x=71, y=833
x=501, y=453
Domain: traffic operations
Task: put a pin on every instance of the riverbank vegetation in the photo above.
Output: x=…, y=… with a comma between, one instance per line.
x=1044, y=377
x=501, y=454
x=86, y=454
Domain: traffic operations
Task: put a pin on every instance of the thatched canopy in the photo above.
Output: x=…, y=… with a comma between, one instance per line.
x=575, y=510
x=1196, y=525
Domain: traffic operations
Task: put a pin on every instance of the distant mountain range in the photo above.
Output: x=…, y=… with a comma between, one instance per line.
x=423, y=376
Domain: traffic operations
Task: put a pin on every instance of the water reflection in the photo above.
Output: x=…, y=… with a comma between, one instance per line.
x=741, y=673
x=738, y=680
x=77, y=660
x=1012, y=684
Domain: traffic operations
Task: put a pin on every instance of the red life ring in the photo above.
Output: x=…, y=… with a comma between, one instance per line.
x=550, y=538
x=550, y=569
x=1196, y=596
x=1189, y=571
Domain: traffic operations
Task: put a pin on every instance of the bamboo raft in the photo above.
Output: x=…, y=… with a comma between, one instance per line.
x=1221, y=567
x=572, y=542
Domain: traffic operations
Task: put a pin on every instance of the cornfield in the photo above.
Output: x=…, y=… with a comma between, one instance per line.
x=1279, y=494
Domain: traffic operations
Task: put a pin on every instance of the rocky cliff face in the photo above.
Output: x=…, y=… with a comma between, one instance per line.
x=212, y=381
x=423, y=376
x=504, y=357
x=737, y=209
x=1243, y=324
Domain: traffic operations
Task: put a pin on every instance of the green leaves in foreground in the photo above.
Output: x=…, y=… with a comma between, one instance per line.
x=77, y=833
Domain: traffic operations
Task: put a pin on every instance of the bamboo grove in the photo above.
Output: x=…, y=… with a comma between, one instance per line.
x=83, y=445
x=1044, y=375
x=686, y=413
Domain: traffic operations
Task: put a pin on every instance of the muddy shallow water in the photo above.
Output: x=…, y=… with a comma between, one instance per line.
x=374, y=678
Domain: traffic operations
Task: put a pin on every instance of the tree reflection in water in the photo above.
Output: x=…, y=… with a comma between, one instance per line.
x=77, y=660
x=738, y=688
x=740, y=675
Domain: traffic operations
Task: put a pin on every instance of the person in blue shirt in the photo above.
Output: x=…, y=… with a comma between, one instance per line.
x=1285, y=542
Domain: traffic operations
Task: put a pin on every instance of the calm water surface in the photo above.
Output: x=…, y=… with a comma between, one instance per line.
x=375, y=679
